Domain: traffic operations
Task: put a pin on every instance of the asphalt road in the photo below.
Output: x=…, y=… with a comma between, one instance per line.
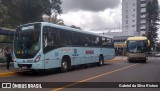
x=114, y=71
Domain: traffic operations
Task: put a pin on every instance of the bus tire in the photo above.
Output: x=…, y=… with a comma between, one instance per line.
x=130, y=61
x=64, y=65
x=101, y=61
x=144, y=61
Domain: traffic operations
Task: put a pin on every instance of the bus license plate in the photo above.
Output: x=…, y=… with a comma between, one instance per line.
x=29, y=61
x=24, y=67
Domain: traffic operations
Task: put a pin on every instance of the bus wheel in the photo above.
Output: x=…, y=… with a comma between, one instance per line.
x=144, y=61
x=64, y=65
x=130, y=61
x=101, y=61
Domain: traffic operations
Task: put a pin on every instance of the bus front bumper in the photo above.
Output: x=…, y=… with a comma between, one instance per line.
x=30, y=66
x=137, y=58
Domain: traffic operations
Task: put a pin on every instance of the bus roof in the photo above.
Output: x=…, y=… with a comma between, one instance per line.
x=69, y=28
x=137, y=38
x=73, y=29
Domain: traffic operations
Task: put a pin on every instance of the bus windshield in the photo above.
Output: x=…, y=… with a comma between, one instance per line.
x=137, y=46
x=27, y=42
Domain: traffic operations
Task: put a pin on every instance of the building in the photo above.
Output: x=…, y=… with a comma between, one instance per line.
x=134, y=18
x=119, y=44
x=134, y=15
x=8, y=33
x=134, y=22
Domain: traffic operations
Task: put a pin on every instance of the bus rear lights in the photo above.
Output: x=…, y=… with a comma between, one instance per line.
x=38, y=58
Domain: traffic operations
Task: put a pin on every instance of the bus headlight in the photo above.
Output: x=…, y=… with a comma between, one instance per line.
x=14, y=59
x=37, y=58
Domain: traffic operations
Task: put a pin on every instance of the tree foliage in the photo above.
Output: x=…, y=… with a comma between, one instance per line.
x=25, y=11
x=55, y=4
x=152, y=18
x=54, y=19
x=73, y=26
x=31, y=10
x=3, y=13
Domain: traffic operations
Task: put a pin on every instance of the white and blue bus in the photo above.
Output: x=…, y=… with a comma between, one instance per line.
x=43, y=45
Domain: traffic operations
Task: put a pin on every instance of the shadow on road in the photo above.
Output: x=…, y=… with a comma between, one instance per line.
x=56, y=71
x=138, y=62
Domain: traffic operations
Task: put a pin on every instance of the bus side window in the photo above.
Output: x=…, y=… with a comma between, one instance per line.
x=99, y=42
x=45, y=40
x=87, y=41
x=96, y=41
x=109, y=42
x=104, y=42
x=65, y=38
x=78, y=39
x=49, y=39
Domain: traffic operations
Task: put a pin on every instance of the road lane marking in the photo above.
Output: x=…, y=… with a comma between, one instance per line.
x=94, y=77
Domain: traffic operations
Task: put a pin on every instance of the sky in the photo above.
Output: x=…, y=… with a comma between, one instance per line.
x=93, y=15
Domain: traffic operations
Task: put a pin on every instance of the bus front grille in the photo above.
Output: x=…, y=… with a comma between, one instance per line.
x=25, y=65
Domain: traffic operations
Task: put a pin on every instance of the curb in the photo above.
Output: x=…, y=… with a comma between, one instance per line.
x=113, y=60
x=9, y=73
x=5, y=74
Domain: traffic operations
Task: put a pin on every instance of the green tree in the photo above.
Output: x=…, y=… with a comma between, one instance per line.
x=55, y=4
x=56, y=10
x=4, y=38
x=31, y=10
x=13, y=17
x=54, y=19
x=3, y=14
x=73, y=26
x=1, y=38
x=152, y=18
x=25, y=11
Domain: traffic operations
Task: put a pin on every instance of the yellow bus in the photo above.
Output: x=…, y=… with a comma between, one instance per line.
x=137, y=48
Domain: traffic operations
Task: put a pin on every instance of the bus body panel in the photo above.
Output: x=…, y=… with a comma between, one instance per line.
x=30, y=63
x=22, y=63
x=109, y=53
x=138, y=49
x=78, y=55
x=51, y=60
x=137, y=56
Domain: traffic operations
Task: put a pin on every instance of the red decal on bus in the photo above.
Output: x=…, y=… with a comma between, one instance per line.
x=89, y=51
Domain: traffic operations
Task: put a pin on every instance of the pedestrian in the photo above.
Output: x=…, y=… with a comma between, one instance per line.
x=8, y=56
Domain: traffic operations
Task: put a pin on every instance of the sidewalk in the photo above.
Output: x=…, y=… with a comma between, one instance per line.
x=120, y=58
x=4, y=72
x=3, y=64
x=4, y=69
